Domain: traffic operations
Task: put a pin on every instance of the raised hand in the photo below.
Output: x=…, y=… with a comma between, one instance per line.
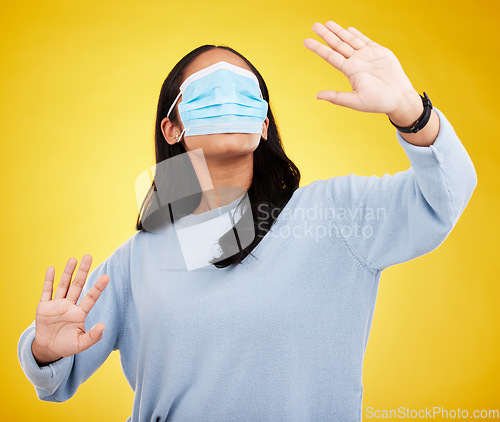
x=60, y=322
x=378, y=81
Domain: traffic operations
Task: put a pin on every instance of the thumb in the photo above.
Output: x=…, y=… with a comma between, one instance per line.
x=344, y=99
x=92, y=336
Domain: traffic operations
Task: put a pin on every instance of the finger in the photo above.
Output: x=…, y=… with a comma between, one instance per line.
x=62, y=288
x=348, y=37
x=333, y=40
x=48, y=285
x=91, y=337
x=345, y=99
x=335, y=59
x=361, y=36
x=79, y=279
x=89, y=300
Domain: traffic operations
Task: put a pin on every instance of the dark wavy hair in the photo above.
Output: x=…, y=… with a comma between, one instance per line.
x=275, y=176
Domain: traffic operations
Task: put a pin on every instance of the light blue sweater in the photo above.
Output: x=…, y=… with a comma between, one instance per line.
x=282, y=336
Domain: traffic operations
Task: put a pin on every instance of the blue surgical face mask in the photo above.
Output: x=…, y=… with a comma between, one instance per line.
x=221, y=98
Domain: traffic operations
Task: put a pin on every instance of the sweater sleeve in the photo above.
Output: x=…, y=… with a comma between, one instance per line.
x=394, y=218
x=59, y=380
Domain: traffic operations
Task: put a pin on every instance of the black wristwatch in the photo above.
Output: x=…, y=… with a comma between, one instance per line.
x=421, y=121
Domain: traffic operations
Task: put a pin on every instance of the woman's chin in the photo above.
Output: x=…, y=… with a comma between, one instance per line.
x=224, y=143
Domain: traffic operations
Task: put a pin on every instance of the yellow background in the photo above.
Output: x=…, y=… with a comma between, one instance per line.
x=79, y=88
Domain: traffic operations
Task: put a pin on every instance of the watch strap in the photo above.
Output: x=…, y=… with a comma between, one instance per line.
x=421, y=121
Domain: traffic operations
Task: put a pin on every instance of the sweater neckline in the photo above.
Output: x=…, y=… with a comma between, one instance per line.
x=192, y=219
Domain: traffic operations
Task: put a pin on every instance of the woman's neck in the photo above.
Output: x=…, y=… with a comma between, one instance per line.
x=222, y=179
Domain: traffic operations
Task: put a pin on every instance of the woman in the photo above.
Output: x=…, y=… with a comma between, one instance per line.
x=274, y=327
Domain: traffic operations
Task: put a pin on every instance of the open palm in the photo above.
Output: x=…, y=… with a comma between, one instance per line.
x=378, y=81
x=60, y=322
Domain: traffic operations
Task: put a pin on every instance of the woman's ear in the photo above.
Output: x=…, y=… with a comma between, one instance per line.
x=264, y=128
x=169, y=131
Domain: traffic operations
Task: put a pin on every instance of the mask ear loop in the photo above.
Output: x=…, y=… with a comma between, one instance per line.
x=180, y=137
x=168, y=114
x=173, y=104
